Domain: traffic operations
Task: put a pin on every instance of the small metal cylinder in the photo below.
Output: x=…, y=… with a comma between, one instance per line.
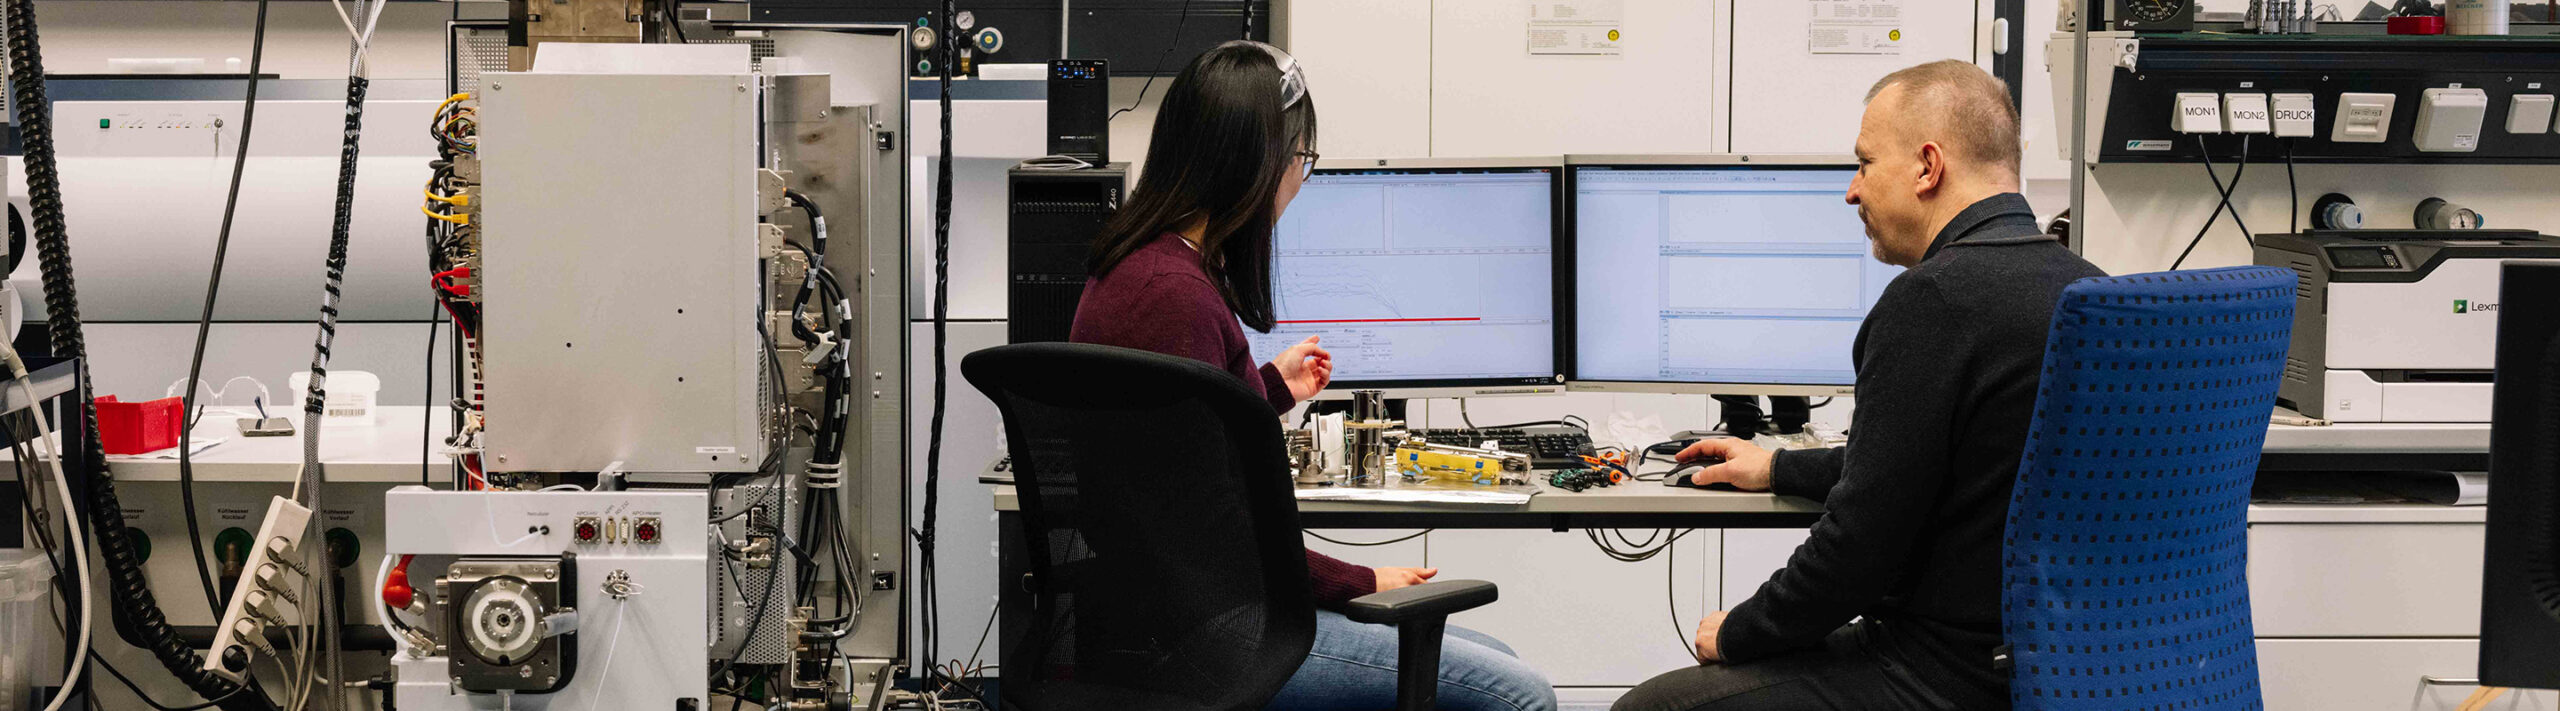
x=1368, y=405
x=1368, y=438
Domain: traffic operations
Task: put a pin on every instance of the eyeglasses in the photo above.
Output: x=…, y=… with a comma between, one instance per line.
x=1308, y=169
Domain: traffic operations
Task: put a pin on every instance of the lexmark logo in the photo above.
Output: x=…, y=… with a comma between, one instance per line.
x=2465, y=306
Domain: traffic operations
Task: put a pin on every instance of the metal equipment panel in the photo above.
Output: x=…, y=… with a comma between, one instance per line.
x=638, y=592
x=621, y=273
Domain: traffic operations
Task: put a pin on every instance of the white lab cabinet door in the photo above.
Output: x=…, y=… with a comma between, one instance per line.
x=2378, y=674
x=2366, y=580
x=1788, y=99
x=1751, y=555
x=1583, y=618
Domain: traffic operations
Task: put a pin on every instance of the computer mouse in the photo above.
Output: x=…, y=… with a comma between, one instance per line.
x=1679, y=477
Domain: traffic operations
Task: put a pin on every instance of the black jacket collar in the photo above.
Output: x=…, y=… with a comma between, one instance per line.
x=2000, y=219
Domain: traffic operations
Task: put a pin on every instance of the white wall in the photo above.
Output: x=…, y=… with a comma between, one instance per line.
x=305, y=40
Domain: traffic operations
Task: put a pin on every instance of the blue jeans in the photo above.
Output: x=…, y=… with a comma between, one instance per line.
x=1353, y=666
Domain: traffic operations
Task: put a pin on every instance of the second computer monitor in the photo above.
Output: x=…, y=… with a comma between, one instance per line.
x=1427, y=278
x=1718, y=274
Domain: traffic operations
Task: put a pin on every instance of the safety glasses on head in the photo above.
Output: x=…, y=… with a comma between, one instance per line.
x=1293, y=80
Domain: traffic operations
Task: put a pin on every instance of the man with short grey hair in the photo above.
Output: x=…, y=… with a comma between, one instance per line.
x=1894, y=600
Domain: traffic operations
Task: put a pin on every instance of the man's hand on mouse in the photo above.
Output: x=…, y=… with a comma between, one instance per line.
x=1745, y=466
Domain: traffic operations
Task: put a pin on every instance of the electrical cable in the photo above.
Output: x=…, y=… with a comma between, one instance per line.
x=136, y=608
x=71, y=524
x=204, y=322
x=2225, y=192
x=1357, y=544
x=53, y=560
x=773, y=574
x=1671, y=597
x=1151, y=76
x=931, y=614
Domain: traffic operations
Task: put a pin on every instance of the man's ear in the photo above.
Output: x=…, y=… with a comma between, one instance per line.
x=1933, y=169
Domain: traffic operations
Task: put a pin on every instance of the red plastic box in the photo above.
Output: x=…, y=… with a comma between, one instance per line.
x=138, y=427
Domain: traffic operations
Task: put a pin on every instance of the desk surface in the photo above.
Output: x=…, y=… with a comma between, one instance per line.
x=1632, y=504
x=385, y=452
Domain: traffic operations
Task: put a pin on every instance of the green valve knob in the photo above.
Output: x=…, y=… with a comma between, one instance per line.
x=343, y=548
x=231, y=547
x=141, y=544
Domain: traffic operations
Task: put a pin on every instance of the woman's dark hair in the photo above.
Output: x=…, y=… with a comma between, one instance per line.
x=1222, y=145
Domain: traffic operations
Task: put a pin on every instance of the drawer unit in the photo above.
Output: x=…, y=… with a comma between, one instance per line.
x=2366, y=580
x=2344, y=674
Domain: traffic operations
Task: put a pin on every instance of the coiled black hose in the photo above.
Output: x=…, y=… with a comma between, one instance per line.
x=127, y=591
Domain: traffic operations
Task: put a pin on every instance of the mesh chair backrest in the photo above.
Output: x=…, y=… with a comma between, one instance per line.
x=2124, y=570
x=1166, y=565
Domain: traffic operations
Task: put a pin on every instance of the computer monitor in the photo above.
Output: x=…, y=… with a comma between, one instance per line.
x=1426, y=278
x=2520, y=587
x=1722, y=274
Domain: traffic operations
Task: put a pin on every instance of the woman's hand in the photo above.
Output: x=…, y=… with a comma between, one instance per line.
x=1392, y=578
x=1307, y=367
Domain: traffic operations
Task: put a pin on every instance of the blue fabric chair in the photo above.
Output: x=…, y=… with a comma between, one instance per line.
x=2124, y=571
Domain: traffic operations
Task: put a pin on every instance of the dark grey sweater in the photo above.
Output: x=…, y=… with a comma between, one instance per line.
x=1914, y=505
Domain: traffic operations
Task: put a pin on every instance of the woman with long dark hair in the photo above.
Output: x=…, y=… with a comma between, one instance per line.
x=1186, y=259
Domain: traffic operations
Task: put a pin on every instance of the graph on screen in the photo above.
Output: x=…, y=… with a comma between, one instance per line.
x=1720, y=275
x=1419, y=275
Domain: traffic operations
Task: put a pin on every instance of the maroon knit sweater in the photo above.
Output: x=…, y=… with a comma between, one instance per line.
x=1160, y=299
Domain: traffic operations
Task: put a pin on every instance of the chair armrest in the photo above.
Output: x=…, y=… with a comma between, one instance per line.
x=1415, y=602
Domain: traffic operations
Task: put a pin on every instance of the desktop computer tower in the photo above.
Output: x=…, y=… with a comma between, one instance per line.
x=1054, y=216
x=2520, y=589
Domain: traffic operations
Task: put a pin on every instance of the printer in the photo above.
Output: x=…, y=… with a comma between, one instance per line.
x=2396, y=325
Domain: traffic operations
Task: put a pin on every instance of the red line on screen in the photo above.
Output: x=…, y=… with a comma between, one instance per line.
x=1381, y=320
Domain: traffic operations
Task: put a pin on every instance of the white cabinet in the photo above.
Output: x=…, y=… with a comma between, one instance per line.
x=1751, y=556
x=1583, y=618
x=2338, y=674
x=2366, y=580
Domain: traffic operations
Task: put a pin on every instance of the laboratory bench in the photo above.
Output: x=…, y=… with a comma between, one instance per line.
x=2356, y=605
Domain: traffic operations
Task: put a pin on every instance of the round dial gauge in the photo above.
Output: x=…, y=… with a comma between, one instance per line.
x=2156, y=10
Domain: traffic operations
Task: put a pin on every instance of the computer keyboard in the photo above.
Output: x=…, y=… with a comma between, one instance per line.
x=1548, y=446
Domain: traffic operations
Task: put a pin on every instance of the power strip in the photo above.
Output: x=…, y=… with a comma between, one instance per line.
x=255, y=600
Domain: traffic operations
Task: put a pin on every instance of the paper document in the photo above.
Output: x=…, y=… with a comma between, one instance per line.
x=1855, y=27
x=1575, y=26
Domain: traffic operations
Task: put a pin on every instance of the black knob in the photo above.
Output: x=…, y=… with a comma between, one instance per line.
x=839, y=701
x=236, y=659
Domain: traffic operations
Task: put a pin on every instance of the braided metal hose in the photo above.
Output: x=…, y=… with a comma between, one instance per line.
x=315, y=401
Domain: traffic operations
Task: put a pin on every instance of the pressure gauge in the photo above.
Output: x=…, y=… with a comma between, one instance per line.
x=2155, y=15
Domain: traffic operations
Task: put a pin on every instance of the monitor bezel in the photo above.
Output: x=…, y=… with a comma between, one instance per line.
x=1475, y=387
x=1571, y=239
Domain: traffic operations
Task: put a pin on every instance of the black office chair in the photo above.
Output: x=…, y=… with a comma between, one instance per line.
x=1166, y=568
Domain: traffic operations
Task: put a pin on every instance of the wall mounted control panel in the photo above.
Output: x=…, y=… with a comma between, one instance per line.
x=2336, y=100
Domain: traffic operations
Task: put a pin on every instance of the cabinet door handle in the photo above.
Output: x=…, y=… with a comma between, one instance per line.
x=2447, y=681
